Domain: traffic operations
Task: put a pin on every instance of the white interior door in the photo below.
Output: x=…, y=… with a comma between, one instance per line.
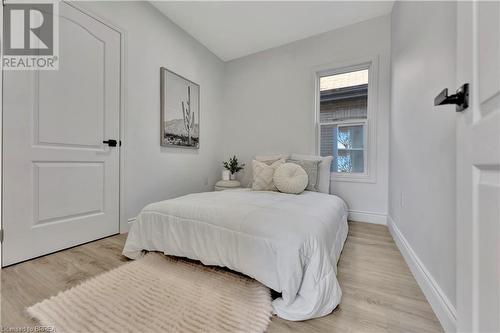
x=478, y=168
x=61, y=183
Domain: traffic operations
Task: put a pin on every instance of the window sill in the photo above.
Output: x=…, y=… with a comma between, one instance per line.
x=353, y=178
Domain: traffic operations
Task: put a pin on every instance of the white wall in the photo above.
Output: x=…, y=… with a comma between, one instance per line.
x=269, y=102
x=422, y=137
x=1, y=125
x=154, y=173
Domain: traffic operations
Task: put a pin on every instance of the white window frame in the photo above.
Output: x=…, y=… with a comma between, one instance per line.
x=370, y=155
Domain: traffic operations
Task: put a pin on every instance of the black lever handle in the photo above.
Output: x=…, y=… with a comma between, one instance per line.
x=111, y=142
x=461, y=98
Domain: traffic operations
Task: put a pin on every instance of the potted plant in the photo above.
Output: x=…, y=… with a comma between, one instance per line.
x=232, y=167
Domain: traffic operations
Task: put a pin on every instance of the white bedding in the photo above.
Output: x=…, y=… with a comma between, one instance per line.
x=290, y=243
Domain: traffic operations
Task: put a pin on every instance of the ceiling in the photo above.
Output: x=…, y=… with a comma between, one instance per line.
x=233, y=29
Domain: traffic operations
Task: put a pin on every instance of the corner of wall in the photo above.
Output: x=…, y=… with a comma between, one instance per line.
x=440, y=303
x=1, y=117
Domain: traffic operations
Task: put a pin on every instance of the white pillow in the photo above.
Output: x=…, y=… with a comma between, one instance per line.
x=323, y=169
x=263, y=175
x=290, y=178
x=246, y=177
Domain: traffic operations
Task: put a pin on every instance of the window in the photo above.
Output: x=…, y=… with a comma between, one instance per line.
x=349, y=155
x=343, y=119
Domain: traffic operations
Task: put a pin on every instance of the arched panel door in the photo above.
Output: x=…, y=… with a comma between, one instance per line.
x=61, y=182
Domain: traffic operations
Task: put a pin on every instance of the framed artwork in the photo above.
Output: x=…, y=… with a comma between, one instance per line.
x=180, y=111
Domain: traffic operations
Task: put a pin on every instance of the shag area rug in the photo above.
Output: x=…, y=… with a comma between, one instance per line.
x=157, y=293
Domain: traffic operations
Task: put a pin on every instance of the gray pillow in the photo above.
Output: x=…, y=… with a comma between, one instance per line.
x=311, y=168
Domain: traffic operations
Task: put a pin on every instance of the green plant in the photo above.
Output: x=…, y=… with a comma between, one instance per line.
x=233, y=165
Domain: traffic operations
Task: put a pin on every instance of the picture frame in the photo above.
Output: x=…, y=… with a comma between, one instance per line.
x=179, y=111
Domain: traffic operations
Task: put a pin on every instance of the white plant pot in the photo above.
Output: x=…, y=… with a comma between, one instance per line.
x=226, y=175
x=232, y=176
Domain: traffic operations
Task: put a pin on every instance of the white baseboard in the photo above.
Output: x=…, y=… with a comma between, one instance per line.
x=443, y=308
x=368, y=217
x=126, y=227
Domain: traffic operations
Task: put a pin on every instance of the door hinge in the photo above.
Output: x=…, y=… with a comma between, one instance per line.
x=1, y=235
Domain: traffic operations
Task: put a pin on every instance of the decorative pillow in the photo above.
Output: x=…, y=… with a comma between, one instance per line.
x=311, y=168
x=290, y=178
x=263, y=175
x=323, y=169
x=246, y=177
x=270, y=162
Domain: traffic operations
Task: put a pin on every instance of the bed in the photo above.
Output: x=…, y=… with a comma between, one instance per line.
x=290, y=243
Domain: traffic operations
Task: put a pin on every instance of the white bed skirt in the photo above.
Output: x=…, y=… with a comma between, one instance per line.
x=290, y=243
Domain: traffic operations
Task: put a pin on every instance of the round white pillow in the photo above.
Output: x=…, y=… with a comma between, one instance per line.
x=290, y=178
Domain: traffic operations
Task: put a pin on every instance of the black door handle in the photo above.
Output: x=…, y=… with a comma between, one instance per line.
x=111, y=142
x=461, y=98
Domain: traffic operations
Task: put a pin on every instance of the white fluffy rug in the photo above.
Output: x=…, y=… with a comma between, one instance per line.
x=159, y=294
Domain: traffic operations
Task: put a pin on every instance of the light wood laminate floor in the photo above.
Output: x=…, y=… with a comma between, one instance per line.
x=379, y=292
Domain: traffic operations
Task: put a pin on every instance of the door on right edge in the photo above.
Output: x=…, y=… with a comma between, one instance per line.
x=478, y=168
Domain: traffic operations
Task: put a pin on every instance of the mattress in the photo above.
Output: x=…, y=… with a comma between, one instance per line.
x=290, y=243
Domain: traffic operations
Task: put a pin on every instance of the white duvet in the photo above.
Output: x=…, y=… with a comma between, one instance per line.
x=290, y=243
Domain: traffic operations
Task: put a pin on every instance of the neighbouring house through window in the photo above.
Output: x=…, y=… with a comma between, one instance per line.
x=343, y=114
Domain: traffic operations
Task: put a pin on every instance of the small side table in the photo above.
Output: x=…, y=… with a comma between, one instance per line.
x=223, y=185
